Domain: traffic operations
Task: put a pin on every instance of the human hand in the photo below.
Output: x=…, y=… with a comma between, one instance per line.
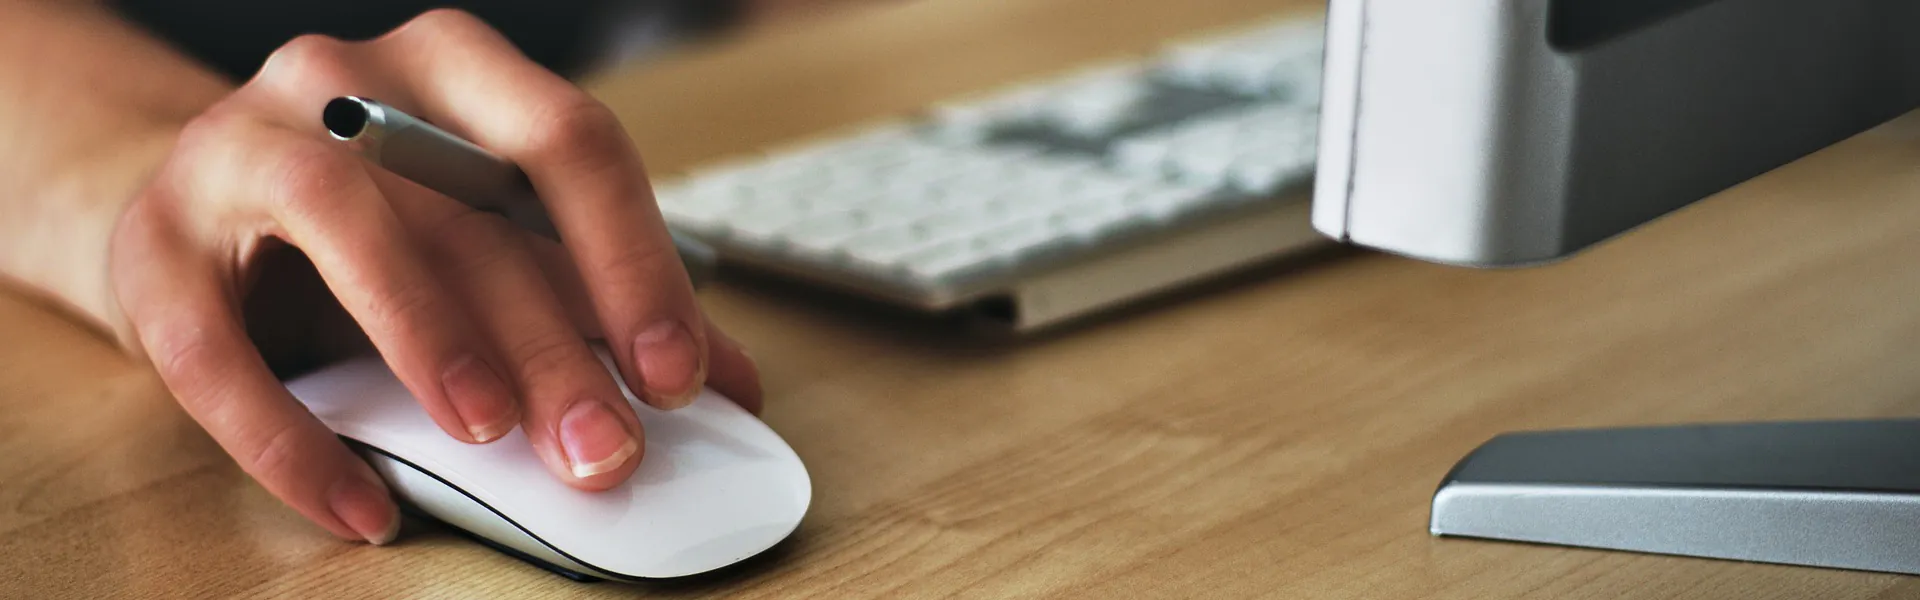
x=486, y=325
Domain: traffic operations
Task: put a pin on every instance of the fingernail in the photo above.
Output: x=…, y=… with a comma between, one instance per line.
x=480, y=397
x=670, y=364
x=360, y=500
x=595, y=440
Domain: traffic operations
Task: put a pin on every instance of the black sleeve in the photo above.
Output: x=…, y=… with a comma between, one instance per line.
x=235, y=36
x=704, y=16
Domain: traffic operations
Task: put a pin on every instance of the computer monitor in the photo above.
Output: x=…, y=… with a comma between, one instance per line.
x=1517, y=132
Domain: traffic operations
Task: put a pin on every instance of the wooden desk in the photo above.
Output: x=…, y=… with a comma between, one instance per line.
x=1277, y=436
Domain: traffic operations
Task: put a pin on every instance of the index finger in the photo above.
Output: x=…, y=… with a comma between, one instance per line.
x=190, y=327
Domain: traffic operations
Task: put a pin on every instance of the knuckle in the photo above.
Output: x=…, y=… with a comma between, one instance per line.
x=206, y=148
x=134, y=236
x=578, y=129
x=403, y=307
x=199, y=133
x=275, y=456
x=441, y=25
x=205, y=135
x=638, y=265
x=140, y=228
x=178, y=355
x=546, y=354
x=305, y=55
x=476, y=242
x=310, y=179
x=137, y=241
x=467, y=230
x=188, y=362
x=446, y=20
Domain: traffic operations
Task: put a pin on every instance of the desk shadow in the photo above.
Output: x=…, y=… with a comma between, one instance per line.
x=962, y=332
x=418, y=528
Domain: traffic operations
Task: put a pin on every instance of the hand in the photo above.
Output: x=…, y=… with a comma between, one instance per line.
x=486, y=325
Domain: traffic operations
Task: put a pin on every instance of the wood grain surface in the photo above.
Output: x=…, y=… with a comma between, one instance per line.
x=1274, y=435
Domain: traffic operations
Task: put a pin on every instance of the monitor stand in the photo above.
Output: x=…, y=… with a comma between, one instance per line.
x=1842, y=494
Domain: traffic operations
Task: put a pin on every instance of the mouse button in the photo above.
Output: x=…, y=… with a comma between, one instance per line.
x=722, y=551
x=491, y=471
x=711, y=433
x=715, y=485
x=692, y=524
x=361, y=399
x=712, y=505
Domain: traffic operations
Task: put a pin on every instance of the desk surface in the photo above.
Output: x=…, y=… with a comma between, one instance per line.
x=1278, y=435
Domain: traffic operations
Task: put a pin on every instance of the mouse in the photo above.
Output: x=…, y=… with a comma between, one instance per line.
x=715, y=485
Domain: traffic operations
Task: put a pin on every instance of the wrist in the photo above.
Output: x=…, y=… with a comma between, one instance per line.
x=63, y=247
x=91, y=109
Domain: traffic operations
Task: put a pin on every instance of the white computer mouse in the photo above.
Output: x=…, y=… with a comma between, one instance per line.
x=715, y=486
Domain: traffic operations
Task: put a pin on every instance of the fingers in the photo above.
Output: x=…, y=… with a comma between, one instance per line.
x=187, y=320
x=564, y=278
x=323, y=200
x=590, y=177
x=468, y=79
x=576, y=418
x=731, y=371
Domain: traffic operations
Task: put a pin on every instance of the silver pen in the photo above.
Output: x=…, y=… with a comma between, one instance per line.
x=442, y=162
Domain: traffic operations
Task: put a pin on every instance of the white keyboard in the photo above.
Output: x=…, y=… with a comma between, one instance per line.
x=971, y=197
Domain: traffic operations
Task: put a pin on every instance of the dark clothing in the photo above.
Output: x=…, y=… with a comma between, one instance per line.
x=235, y=36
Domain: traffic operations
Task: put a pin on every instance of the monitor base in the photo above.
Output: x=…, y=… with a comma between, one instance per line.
x=1843, y=494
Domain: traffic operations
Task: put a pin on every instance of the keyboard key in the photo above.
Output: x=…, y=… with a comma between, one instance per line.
x=1266, y=177
x=1015, y=208
x=962, y=124
x=1147, y=154
x=760, y=227
x=885, y=249
x=1204, y=165
x=1167, y=204
x=697, y=218
x=824, y=235
x=1093, y=223
x=944, y=260
x=896, y=213
x=1098, y=101
x=959, y=224
x=1255, y=63
x=1019, y=239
